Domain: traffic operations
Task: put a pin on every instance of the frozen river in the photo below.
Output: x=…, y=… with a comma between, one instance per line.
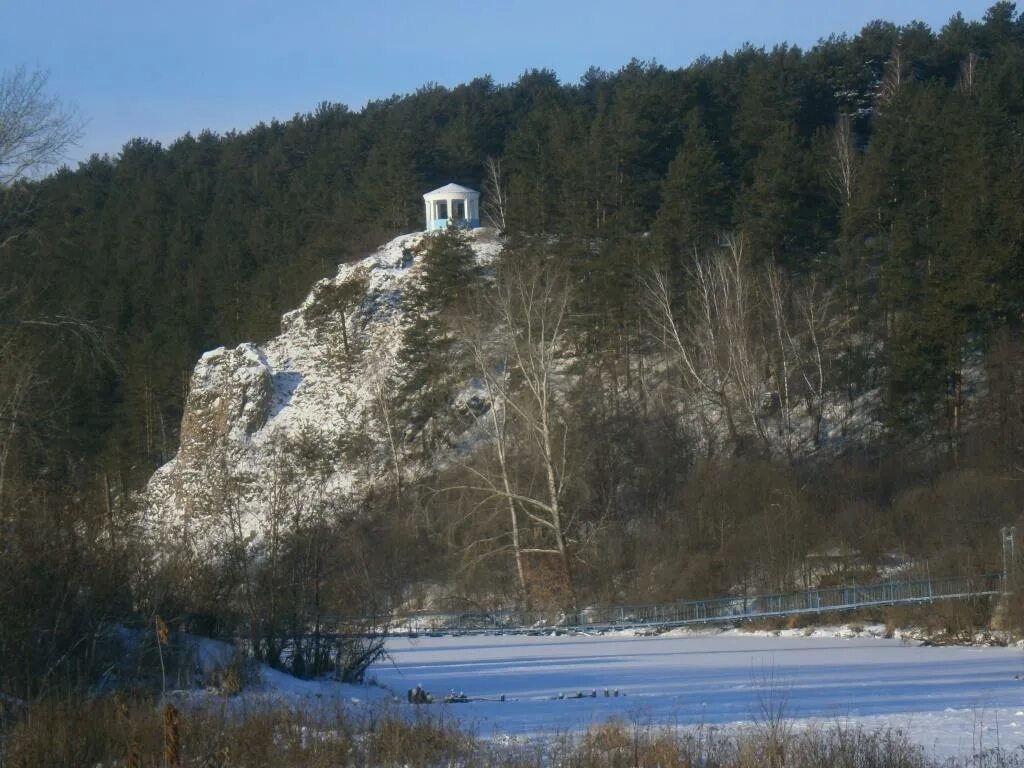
x=950, y=699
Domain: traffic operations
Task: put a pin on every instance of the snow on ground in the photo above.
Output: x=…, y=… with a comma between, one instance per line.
x=952, y=700
x=272, y=687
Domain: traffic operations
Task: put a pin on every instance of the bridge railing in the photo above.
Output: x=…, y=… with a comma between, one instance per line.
x=696, y=612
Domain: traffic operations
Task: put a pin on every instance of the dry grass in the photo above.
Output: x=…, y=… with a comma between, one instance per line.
x=115, y=732
x=618, y=745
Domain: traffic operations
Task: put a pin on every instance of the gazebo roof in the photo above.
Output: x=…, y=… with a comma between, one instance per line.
x=450, y=190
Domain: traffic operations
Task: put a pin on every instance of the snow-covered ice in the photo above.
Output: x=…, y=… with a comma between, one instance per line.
x=952, y=700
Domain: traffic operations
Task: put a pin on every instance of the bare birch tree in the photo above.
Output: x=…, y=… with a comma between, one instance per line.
x=841, y=168
x=490, y=363
x=520, y=365
x=821, y=327
x=713, y=343
x=495, y=195
x=494, y=423
x=968, y=82
x=748, y=343
x=36, y=129
x=385, y=398
x=777, y=301
x=805, y=330
x=894, y=76
x=533, y=303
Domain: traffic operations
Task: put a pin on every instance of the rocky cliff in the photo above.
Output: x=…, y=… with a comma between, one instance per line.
x=275, y=429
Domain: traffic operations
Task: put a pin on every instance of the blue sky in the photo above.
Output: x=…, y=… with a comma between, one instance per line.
x=160, y=69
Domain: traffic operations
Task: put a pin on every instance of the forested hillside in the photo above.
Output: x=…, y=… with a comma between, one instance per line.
x=847, y=220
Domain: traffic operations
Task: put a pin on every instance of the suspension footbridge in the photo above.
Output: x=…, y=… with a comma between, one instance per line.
x=721, y=610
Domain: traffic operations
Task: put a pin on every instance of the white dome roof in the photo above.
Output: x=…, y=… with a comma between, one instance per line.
x=451, y=190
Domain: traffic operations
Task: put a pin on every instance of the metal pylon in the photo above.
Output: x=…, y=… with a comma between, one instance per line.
x=1009, y=539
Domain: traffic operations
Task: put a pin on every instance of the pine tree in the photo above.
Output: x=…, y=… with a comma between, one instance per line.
x=695, y=198
x=447, y=272
x=781, y=211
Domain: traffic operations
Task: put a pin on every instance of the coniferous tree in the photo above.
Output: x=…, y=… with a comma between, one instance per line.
x=447, y=271
x=780, y=212
x=695, y=198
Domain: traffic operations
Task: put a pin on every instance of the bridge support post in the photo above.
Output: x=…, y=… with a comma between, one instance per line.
x=1009, y=538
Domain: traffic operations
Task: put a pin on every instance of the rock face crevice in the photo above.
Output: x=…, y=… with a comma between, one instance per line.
x=293, y=407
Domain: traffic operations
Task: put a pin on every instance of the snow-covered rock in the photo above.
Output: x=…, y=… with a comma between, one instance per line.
x=312, y=395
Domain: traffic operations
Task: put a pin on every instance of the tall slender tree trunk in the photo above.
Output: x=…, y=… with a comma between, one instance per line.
x=556, y=511
x=517, y=549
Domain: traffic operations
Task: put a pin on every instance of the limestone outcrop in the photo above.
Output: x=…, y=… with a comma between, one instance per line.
x=297, y=419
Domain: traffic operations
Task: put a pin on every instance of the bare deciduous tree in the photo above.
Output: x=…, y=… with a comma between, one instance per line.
x=821, y=327
x=533, y=303
x=893, y=77
x=714, y=343
x=520, y=365
x=748, y=343
x=385, y=398
x=805, y=330
x=777, y=300
x=36, y=129
x=490, y=361
x=495, y=195
x=841, y=170
x=969, y=74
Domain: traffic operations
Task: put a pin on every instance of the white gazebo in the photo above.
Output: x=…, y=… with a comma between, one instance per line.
x=452, y=205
